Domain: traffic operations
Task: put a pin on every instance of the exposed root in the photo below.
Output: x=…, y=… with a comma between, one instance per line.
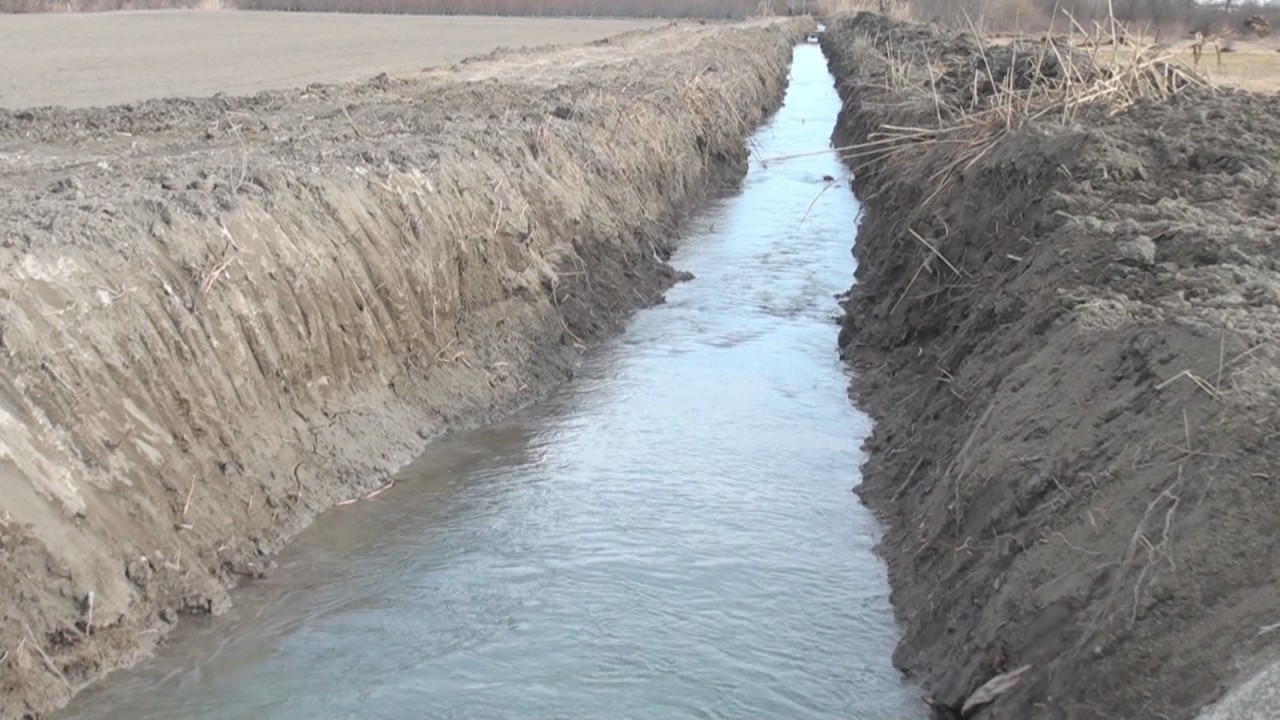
x=1155, y=552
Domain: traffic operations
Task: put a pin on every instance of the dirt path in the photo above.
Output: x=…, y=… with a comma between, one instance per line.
x=1071, y=354
x=219, y=317
x=86, y=60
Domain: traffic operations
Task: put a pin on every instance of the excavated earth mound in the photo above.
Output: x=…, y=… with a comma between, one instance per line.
x=219, y=317
x=1072, y=354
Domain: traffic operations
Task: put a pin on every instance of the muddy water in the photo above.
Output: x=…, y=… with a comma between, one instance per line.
x=671, y=535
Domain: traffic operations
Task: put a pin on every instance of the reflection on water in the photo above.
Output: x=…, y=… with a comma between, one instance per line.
x=670, y=536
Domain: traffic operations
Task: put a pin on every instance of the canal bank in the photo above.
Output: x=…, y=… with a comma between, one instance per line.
x=223, y=316
x=1065, y=328
x=670, y=534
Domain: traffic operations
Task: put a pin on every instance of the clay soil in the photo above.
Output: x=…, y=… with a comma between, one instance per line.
x=109, y=58
x=1072, y=354
x=219, y=317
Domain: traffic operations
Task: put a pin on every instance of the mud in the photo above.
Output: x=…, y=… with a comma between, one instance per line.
x=1077, y=410
x=221, y=316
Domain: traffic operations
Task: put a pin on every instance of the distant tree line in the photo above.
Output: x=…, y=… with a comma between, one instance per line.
x=46, y=6
x=1167, y=17
x=713, y=9
x=1170, y=17
x=720, y=9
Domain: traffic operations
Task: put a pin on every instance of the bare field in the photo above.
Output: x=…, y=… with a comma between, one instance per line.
x=1251, y=65
x=92, y=60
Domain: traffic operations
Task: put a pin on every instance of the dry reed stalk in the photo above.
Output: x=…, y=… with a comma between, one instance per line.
x=937, y=254
x=1046, y=83
x=48, y=662
x=186, y=505
x=214, y=273
x=825, y=187
x=1165, y=546
x=1200, y=382
x=369, y=495
x=244, y=154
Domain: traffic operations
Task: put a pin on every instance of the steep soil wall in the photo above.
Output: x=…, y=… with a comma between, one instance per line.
x=1071, y=356
x=220, y=317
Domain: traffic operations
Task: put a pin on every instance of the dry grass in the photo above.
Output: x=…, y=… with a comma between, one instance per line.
x=1012, y=85
x=1247, y=64
x=1165, y=18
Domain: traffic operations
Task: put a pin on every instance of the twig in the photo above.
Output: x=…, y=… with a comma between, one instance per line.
x=213, y=276
x=1152, y=550
x=1077, y=548
x=440, y=353
x=45, y=656
x=380, y=490
x=368, y=496
x=1246, y=353
x=347, y=115
x=907, y=289
x=1222, y=348
x=779, y=158
x=244, y=154
x=939, y=255
x=1269, y=628
x=905, y=482
x=1199, y=381
x=830, y=184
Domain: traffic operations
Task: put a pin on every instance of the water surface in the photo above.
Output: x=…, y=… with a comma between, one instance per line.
x=672, y=535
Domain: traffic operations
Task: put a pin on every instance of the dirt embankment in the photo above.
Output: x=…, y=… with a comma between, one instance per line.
x=220, y=317
x=1071, y=354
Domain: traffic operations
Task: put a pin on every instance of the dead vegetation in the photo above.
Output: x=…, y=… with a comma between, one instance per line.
x=1195, y=35
x=1161, y=19
x=975, y=95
